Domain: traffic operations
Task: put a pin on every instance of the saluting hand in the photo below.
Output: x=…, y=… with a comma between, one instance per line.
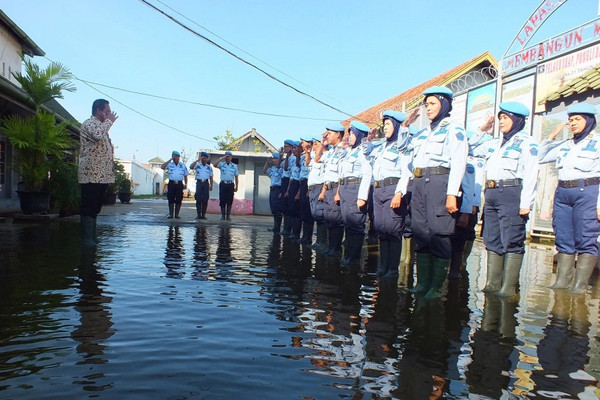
x=412, y=117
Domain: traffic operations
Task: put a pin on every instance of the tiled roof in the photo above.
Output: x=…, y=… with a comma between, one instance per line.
x=413, y=96
x=589, y=80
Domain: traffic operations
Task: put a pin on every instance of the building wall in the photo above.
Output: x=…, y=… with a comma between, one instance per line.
x=146, y=177
x=10, y=61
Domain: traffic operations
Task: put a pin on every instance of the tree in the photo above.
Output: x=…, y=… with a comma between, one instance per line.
x=227, y=142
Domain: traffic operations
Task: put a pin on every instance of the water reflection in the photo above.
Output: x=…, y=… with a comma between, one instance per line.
x=201, y=260
x=175, y=253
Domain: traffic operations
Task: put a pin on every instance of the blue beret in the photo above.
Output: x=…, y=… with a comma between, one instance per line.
x=203, y=154
x=397, y=115
x=288, y=142
x=360, y=126
x=317, y=139
x=175, y=153
x=275, y=155
x=335, y=127
x=515, y=108
x=307, y=139
x=439, y=90
x=228, y=153
x=297, y=143
x=581, y=108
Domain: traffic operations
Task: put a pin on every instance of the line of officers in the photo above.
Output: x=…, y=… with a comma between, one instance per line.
x=427, y=186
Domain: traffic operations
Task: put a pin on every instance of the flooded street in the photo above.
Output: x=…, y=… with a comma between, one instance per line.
x=228, y=310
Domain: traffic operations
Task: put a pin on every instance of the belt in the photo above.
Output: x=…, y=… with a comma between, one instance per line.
x=579, y=182
x=202, y=180
x=311, y=187
x=420, y=172
x=386, y=182
x=276, y=187
x=347, y=181
x=492, y=184
x=175, y=182
x=331, y=185
x=227, y=182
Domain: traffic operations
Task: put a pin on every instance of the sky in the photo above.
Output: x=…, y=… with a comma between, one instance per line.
x=350, y=55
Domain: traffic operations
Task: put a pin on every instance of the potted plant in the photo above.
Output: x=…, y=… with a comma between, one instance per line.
x=110, y=196
x=125, y=190
x=37, y=138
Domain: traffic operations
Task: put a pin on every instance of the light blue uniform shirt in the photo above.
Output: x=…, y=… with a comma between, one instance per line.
x=275, y=174
x=304, y=169
x=228, y=171
x=354, y=164
x=390, y=161
x=573, y=161
x=203, y=171
x=294, y=169
x=517, y=159
x=315, y=176
x=177, y=171
x=286, y=172
x=445, y=146
x=331, y=167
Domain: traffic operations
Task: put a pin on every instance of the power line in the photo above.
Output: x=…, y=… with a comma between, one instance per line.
x=202, y=104
x=243, y=60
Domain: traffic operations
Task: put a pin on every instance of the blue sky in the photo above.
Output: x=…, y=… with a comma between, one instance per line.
x=349, y=54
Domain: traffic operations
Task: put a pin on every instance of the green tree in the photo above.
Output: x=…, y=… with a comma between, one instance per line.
x=227, y=142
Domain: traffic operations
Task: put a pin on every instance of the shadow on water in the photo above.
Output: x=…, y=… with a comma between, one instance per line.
x=218, y=311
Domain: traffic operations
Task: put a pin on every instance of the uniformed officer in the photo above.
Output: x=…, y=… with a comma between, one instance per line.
x=204, y=184
x=178, y=173
x=439, y=161
x=331, y=175
x=315, y=185
x=292, y=195
x=275, y=171
x=510, y=185
x=228, y=185
x=284, y=157
x=390, y=158
x=353, y=191
x=305, y=213
x=576, y=212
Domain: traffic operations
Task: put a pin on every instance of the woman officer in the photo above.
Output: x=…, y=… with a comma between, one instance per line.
x=353, y=191
x=390, y=161
x=576, y=212
x=439, y=161
x=510, y=181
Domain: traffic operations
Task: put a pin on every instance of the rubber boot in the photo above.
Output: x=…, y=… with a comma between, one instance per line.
x=394, y=254
x=384, y=252
x=336, y=235
x=583, y=271
x=307, y=233
x=353, y=249
x=171, y=209
x=467, y=252
x=228, y=212
x=456, y=264
x=490, y=322
x=287, y=227
x=198, y=210
x=276, y=224
x=565, y=269
x=177, y=208
x=510, y=279
x=495, y=264
x=222, y=213
x=321, y=243
x=87, y=231
x=424, y=273
x=508, y=321
x=296, y=226
x=204, y=207
x=438, y=277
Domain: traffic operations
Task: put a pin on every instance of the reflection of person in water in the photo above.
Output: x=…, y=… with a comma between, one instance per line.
x=493, y=348
x=201, y=253
x=563, y=351
x=92, y=305
x=174, y=253
x=223, y=255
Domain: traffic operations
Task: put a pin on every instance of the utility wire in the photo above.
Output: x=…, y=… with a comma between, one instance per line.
x=242, y=50
x=202, y=104
x=241, y=59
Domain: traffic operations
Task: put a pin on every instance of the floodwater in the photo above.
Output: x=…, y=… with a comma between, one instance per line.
x=221, y=311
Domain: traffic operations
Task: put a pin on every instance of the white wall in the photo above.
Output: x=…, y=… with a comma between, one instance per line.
x=143, y=175
x=9, y=56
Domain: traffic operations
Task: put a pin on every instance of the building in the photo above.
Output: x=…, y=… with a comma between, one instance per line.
x=15, y=101
x=147, y=178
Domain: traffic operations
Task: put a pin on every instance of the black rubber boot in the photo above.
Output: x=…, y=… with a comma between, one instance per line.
x=565, y=269
x=204, y=207
x=336, y=235
x=171, y=209
x=583, y=271
x=307, y=233
x=384, y=252
x=228, y=212
x=510, y=278
x=438, y=277
x=95, y=231
x=198, y=210
x=456, y=264
x=222, y=213
x=424, y=273
x=495, y=265
x=296, y=227
x=87, y=231
x=353, y=249
x=276, y=224
x=287, y=226
x=321, y=243
x=177, y=208
x=394, y=254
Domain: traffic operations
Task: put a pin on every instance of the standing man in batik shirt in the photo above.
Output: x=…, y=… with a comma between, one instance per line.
x=95, y=170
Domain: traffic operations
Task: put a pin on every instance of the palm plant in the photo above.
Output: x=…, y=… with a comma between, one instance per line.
x=38, y=137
